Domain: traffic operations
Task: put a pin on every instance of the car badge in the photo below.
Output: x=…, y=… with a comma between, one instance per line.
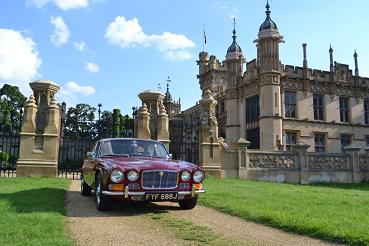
x=161, y=173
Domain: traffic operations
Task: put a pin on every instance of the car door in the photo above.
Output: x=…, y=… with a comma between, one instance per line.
x=89, y=166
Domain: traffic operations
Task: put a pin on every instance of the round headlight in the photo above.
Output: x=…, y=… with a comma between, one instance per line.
x=198, y=176
x=132, y=175
x=185, y=176
x=116, y=176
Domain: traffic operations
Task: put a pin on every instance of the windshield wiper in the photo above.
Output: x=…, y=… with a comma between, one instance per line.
x=125, y=155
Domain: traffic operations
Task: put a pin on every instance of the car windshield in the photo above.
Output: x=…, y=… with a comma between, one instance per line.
x=133, y=147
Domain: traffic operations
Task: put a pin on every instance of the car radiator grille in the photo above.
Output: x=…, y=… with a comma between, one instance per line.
x=160, y=179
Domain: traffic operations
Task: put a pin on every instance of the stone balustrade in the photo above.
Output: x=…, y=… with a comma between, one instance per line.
x=297, y=166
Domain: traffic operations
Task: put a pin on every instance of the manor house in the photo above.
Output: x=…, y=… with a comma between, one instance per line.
x=274, y=105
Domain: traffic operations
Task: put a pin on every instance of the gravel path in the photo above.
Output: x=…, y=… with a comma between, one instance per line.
x=127, y=225
x=120, y=226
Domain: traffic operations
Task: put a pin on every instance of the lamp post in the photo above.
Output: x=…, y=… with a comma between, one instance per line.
x=99, y=111
x=133, y=117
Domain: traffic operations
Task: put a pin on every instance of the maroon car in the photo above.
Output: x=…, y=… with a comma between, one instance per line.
x=139, y=170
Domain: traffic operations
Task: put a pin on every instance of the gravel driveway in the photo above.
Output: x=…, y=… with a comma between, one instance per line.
x=129, y=225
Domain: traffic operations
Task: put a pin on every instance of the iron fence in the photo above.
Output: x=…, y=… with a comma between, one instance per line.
x=71, y=155
x=9, y=152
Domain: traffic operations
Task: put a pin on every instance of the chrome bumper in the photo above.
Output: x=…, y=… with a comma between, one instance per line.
x=126, y=193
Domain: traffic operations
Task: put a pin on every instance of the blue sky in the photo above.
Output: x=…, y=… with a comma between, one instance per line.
x=108, y=51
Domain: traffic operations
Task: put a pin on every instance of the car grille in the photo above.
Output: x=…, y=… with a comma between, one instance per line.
x=159, y=179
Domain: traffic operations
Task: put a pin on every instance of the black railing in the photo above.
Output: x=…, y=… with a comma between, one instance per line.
x=9, y=152
x=72, y=152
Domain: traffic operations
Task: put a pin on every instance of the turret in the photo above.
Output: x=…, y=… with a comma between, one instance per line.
x=234, y=60
x=269, y=100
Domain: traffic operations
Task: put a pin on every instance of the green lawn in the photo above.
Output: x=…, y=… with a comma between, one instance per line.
x=333, y=212
x=32, y=211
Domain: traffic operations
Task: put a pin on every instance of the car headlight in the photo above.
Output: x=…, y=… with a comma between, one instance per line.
x=132, y=175
x=116, y=176
x=185, y=176
x=198, y=176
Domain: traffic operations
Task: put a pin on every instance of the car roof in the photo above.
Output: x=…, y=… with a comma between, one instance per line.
x=115, y=139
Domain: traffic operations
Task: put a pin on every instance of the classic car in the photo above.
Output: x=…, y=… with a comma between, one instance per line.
x=131, y=169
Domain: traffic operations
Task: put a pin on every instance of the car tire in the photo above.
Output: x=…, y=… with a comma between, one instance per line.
x=188, y=204
x=103, y=203
x=85, y=189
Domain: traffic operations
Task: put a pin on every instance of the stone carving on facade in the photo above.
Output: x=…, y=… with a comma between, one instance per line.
x=283, y=160
x=251, y=89
x=292, y=85
x=329, y=161
x=364, y=162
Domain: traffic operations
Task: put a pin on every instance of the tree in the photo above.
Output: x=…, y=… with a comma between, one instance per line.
x=104, y=125
x=12, y=102
x=127, y=125
x=79, y=122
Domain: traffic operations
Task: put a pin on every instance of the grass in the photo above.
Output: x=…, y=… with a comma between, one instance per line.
x=338, y=213
x=186, y=230
x=32, y=211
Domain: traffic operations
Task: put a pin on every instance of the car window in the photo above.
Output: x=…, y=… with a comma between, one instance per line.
x=96, y=148
x=133, y=147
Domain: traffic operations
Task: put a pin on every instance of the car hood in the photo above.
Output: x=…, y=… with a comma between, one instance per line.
x=142, y=164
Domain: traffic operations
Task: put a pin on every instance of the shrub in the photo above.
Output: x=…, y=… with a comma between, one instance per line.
x=4, y=157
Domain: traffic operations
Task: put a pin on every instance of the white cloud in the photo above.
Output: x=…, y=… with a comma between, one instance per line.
x=81, y=45
x=61, y=32
x=178, y=55
x=62, y=4
x=19, y=60
x=92, y=67
x=128, y=33
x=73, y=87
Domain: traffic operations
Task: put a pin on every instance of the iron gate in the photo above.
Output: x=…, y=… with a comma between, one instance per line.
x=9, y=146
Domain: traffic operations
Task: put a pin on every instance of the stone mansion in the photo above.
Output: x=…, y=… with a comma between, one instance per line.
x=274, y=105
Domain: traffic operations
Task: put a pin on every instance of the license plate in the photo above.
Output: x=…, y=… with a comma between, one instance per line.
x=167, y=196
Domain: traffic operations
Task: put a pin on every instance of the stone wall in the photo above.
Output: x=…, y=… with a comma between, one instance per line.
x=297, y=166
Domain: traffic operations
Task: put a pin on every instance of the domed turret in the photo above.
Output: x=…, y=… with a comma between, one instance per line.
x=268, y=24
x=234, y=51
x=234, y=46
x=168, y=96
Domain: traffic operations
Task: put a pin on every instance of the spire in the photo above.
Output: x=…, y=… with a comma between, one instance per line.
x=267, y=9
x=168, y=96
x=330, y=58
x=234, y=30
x=268, y=23
x=234, y=46
x=356, y=64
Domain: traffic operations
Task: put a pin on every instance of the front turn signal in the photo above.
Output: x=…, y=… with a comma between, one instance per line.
x=116, y=187
x=198, y=186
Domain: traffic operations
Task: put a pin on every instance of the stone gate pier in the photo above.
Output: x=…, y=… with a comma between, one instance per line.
x=152, y=121
x=39, y=137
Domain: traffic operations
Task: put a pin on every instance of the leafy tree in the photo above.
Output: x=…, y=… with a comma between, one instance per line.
x=104, y=129
x=127, y=124
x=12, y=102
x=79, y=122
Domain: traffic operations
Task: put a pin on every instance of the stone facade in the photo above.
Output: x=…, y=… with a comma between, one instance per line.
x=274, y=106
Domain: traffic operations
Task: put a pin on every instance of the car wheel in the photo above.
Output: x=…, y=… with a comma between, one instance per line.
x=85, y=189
x=103, y=203
x=188, y=203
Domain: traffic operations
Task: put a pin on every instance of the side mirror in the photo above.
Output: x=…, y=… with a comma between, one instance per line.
x=91, y=155
x=170, y=156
